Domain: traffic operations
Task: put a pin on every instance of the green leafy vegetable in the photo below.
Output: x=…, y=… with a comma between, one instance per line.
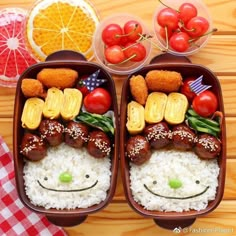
x=101, y=122
x=202, y=124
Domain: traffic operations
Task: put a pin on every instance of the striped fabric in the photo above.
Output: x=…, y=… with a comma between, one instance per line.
x=197, y=86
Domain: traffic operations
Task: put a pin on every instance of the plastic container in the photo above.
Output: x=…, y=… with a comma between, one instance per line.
x=172, y=219
x=202, y=11
x=15, y=57
x=98, y=45
x=75, y=61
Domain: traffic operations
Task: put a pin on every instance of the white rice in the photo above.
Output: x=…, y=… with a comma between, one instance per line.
x=80, y=164
x=172, y=164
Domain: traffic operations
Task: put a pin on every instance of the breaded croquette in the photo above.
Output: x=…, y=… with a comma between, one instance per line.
x=32, y=88
x=163, y=81
x=57, y=77
x=138, y=88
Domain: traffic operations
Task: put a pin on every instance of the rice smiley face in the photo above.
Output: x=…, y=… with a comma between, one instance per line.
x=67, y=178
x=173, y=180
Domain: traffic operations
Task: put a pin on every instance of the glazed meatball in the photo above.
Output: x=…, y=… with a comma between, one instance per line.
x=207, y=146
x=76, y=134
x=183, y=137
x=138, y=149
x=157, y=135
x=99, y=144
x=51, y=131
x=33, y=147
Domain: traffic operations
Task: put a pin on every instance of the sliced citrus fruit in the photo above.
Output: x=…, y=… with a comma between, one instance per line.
x=62, y=24
x=14, y=57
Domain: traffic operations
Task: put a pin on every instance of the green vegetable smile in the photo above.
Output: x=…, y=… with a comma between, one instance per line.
x=178, y=198
x=70, y=190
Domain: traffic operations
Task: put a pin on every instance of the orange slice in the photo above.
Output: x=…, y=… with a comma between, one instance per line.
x=62, y=24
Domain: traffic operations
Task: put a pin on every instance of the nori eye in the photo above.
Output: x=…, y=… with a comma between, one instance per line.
x=197, y=182
x=86, y=176
x=154, y=182
x=45, y=178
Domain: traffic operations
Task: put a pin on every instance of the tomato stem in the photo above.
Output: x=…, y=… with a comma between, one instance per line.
x=167, y=39
x=210, y=32
x=124, y=35
x=168, y=6
x=144, y=37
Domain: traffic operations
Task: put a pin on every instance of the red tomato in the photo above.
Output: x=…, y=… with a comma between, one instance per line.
x=186, y=90
x=98, y=101
x=205, y=104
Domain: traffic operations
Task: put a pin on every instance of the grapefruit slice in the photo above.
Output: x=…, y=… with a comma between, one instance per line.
x=14, y=57
x=54, y=25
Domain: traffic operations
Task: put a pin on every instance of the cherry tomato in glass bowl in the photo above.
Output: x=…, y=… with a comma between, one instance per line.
x=205, y=104
x=98, y=101
x=186, y=90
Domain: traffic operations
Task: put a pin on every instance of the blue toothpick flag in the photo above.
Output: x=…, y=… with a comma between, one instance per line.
x=197, y=86
x=92, y=82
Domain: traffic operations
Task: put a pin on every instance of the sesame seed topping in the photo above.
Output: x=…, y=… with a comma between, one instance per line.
x=208, y=144
x=102, y=146
x=75, y=132
x=139, y=145
x=158, y=132
x=183, y=134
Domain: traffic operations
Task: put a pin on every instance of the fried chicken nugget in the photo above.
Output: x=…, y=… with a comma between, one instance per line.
x=58, y=77
x=138, y=89
x=163, y=81
x=32, y=88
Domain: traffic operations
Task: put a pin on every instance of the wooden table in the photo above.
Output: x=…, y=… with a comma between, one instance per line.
x=219, y=56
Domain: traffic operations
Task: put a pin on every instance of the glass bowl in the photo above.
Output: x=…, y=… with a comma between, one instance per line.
x=99, y=45
x=200, y=42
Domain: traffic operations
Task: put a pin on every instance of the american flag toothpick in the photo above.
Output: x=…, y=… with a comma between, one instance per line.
x=197, y=86
x=92, y=82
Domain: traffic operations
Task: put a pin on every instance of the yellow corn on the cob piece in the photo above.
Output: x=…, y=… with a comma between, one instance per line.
x=71, y=103
x=135, y=118
x=32, y=113
x=155, y=107
x=53, y=103
x=176, y=108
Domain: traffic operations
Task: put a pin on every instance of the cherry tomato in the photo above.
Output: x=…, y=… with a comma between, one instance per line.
x=197, y=26
x=186, y=90
x=133, y=30
x=111, y=34
x=114, y=54
x=81, y=87
x=169, y=18
x=162, y=32
x=98, y=101
x=180, y=41
x=205, y=104
x=135, y=51
x=187, y=11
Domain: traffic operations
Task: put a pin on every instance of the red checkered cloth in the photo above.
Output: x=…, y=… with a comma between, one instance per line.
x=15, y=218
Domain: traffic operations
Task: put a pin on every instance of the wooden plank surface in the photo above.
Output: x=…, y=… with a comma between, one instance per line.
x=219, y=56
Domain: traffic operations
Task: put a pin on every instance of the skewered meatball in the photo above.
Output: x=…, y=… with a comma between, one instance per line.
x=157, y=135
x=183, y=137
x=51, y=131
x=99, y=145
x=76, y=134
x=33, y=147
x=207, y=146
x=138, y=149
